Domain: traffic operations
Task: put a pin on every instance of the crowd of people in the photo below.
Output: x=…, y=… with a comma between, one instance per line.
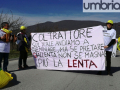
x=24, y=45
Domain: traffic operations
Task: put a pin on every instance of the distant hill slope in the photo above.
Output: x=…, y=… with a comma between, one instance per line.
x=67, y=25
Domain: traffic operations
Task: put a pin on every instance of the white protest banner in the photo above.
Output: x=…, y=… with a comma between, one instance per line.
x=81, y=49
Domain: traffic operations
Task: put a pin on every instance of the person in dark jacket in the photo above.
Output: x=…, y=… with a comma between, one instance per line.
x=23, y=47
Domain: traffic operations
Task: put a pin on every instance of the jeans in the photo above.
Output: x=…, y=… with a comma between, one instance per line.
x=5, y=63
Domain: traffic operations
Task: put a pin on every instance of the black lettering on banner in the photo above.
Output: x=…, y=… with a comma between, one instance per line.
x=74, y=48
x=59, y=63
x=39, y=62
x=48, y=43
x=92, y=47
x=50, y=35
x=76, y=35
x=85, y=42
x=99, y=47
x=42, y=37
x=64, y=55
x=95, y=47
x=82, y=31
x=94, y=54
x=76, y=55
x=84, y=48
x=79, y=33
x=54, y=35
x=63, y=49
x=54, y=63
x=65, y=34
x=88, y=33
x=80, y=57
x=70, y=34
x=33, y=37
x=44, y=62
x=35, y=45
x=57, y=35
x=67, y=42
x=46, y=54
x=60, y=35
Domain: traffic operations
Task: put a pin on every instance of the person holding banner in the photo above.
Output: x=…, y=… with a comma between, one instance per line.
x=23, y=47
x=109, y=41
x=4, y=44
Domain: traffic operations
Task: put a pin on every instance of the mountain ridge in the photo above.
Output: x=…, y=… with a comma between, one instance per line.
x=67, y=25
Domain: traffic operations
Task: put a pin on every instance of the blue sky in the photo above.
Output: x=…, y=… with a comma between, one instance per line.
x=39, y=11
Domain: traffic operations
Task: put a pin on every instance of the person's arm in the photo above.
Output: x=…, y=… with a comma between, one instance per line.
x=112, y=41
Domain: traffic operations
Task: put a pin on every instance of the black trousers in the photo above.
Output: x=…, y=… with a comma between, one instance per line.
x=23, y=57
x=6, y=62
x=108, y=59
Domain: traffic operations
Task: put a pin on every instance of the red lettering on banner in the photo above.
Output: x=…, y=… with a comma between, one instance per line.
x=92, y=63
x=68, y=64
x=86, y=63
x=74, y=63
x=78, y=63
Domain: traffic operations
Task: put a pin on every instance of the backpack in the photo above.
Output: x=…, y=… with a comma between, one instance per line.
x=18, y=41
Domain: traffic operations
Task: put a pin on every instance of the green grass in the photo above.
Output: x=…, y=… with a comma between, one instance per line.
x=15, y=54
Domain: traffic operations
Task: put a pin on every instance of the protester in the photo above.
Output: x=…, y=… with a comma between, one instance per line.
x=4, y=46
x=23, y=47
x=109, y=41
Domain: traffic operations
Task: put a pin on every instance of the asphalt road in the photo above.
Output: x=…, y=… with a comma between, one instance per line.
x=33, y=79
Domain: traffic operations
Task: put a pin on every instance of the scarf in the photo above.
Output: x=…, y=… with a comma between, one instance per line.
x=26, y=43
x=27, y=39
x=6, y=31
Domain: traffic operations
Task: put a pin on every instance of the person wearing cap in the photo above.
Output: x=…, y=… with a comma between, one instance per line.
x=109, y=41
x=23, y=47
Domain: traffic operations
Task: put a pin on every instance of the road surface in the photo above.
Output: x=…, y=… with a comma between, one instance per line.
x=34, y=79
